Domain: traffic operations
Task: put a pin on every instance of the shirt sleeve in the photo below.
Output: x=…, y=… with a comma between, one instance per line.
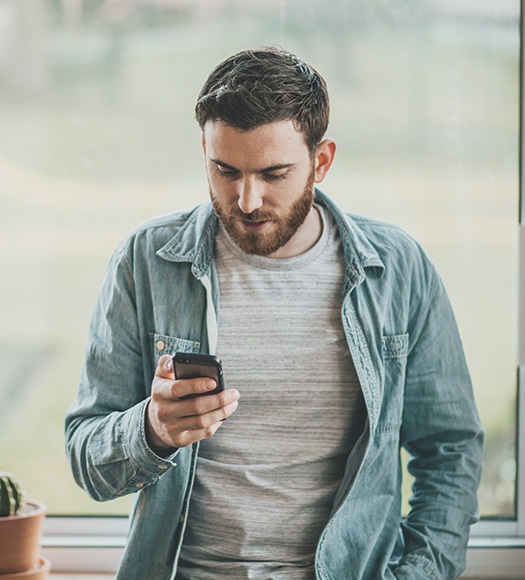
x=442, y=432
x=105, y=426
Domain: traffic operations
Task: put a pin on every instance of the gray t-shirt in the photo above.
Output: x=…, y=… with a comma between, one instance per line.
x=266, y=481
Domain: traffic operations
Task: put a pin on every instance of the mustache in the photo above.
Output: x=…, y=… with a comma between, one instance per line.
x=253, y=217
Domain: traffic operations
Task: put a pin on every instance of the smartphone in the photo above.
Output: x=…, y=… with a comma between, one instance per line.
x=190, y=365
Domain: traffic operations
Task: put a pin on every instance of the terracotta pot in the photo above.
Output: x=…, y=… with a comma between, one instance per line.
x=20, y=539
x=40, y=572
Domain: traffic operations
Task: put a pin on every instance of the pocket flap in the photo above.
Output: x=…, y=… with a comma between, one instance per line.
x=395, y=345
x=164, y=344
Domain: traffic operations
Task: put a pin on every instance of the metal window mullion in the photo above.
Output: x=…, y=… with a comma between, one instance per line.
x=520, y=452
x=520, y=415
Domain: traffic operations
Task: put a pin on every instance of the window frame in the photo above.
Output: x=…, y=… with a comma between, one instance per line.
x=496, y=547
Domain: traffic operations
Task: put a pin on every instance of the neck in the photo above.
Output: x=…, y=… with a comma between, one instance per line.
x=304, y=238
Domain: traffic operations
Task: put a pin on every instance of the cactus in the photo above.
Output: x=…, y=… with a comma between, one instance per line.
x=11, y=494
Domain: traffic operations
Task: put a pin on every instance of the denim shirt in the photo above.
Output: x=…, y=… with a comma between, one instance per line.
x=161, y=295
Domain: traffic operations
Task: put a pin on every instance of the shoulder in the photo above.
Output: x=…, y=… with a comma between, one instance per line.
x=384, y=236
x=157, y=231
x=182, y=234
x=407, y=270
x=371, y=241
x=393, y=244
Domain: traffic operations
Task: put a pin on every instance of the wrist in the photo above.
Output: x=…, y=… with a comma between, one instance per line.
x=156, y=443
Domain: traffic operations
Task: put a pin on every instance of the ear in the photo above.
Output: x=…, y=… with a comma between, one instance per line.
x=203, y=143
x=324, y=156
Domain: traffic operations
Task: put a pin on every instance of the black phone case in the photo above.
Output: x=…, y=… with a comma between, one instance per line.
x=192, y=365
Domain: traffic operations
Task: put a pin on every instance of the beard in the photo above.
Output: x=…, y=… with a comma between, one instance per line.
x=283, y=227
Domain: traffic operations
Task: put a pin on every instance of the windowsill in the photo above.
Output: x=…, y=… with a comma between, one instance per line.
x=491, y=559
x=496, y=549
x=67, y=576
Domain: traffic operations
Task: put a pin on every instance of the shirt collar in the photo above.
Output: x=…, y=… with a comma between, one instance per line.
x=194, y=241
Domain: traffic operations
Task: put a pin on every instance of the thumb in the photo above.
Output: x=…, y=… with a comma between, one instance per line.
x=165, y=367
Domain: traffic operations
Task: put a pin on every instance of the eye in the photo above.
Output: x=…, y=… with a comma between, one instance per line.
x=274, y=176
x=223, y=172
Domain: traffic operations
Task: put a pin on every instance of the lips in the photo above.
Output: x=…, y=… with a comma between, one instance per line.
x=254, y=226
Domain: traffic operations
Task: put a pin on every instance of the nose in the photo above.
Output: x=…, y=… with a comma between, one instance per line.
x=250, y=196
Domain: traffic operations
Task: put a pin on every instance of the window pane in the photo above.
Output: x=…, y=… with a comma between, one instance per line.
x=97, y=134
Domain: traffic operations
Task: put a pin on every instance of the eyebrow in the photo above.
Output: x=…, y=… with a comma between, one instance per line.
x=264, y=170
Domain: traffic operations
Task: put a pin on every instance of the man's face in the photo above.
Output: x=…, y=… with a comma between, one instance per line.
x=261, y=184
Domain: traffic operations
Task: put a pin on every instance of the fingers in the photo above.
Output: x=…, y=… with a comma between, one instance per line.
x=189, y=388
x=165, y=367
x=214, y=405
x=182, y=423
x=176, y=421
x=199, y=426
x=169, y=388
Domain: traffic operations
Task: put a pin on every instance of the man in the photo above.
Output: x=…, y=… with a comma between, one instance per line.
x=339, y=346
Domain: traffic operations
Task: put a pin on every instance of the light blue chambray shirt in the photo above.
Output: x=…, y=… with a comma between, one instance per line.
x=160, y=295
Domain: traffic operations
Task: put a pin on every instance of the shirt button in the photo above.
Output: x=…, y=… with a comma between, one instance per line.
x=162, y=466
x=161, y=345
x=140, y=485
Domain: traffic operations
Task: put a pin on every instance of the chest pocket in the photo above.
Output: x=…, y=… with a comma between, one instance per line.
x=164, y=344
x=394, y=351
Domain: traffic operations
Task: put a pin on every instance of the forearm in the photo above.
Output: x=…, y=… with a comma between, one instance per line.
x=447, y=470
x=109, y=455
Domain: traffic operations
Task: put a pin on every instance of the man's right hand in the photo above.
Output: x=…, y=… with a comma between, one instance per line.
x=171, y=422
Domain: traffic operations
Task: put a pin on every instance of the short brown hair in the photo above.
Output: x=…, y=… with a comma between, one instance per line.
x=256, y=87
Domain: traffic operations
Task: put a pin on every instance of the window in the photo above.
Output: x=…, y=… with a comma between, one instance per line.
x=96, y=111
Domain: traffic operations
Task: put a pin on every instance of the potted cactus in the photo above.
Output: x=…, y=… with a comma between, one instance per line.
x=20, y=528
